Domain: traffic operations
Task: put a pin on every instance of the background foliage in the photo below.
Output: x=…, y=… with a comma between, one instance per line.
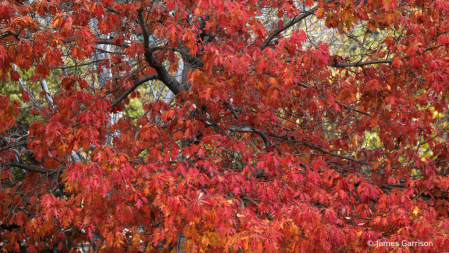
x=223, y=126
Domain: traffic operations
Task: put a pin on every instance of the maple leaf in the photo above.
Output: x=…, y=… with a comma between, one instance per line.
x=223, y=22
x=14, y=76
x=25, y=96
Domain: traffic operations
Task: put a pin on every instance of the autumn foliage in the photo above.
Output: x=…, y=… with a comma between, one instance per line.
x=275, y=142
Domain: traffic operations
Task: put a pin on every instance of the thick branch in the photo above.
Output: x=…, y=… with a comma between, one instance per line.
x=31, y=168
x=163, y=75
x=9, y=227
x=169, y=96
x=9, y=33
x=136, y=84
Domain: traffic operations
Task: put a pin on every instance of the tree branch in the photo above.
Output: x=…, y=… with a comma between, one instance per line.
x=136, y=84
x=352, y=109
x=31, y=168
x=33, y=100
x=179, y=51
x=345, y=106
x=250, y=129
x=163, y=75
x=10, y=33
x=289, y=24
x=247, y=129
x=47, y=92
x=110, y=42
x=234, y=113
x=211, y=122
x=310, y=145
x=392, y=186
x=78, y=65
x=360, y=63
x=13, y=145
x=111, y=9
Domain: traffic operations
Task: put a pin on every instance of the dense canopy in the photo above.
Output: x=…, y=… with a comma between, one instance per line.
x=224, y=125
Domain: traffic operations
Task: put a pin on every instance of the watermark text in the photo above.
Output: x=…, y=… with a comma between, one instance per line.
x=399, y=244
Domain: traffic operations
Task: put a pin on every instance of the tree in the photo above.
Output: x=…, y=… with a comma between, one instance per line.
x=255, y=126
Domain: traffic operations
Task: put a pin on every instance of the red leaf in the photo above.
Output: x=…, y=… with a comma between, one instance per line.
x=25, y=96
x=223, y=21
x=15, y=76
